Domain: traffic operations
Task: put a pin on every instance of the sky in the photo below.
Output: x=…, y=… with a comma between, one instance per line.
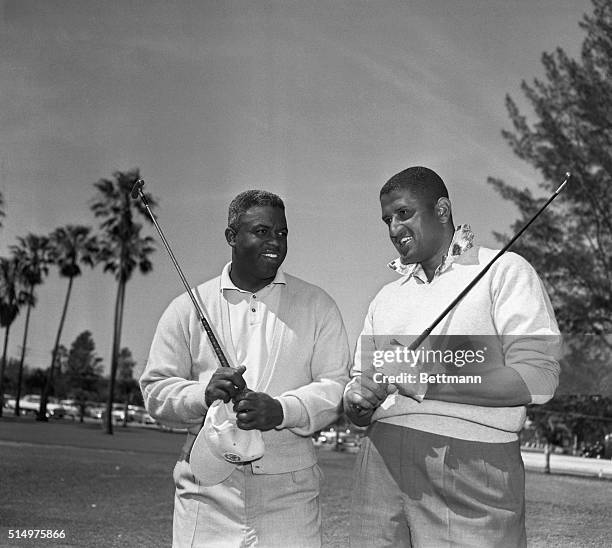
x=320, y=102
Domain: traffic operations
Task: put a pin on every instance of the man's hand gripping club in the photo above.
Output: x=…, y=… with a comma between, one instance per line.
x=254, y=410
x=363, y=395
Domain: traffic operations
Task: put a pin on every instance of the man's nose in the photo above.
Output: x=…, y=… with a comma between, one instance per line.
x=394, y=227
x=274, y=240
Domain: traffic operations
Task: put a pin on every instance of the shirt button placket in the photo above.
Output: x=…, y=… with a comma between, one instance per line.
x=253, y=306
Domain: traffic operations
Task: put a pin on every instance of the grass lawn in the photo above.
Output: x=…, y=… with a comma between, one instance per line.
x=117, y=491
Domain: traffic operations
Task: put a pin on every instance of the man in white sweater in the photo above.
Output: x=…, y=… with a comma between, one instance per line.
x=441, y=464
x=288, y=341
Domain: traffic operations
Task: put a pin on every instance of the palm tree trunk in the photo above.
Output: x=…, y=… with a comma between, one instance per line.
x=125, y=410
x=49, y=382
x=23, y=352
x=3, y=365
x=115, y=353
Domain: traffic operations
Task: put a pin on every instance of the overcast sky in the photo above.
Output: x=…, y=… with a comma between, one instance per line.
x=318, y=101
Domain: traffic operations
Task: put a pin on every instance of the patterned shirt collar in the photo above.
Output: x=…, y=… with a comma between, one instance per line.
x=463, y=239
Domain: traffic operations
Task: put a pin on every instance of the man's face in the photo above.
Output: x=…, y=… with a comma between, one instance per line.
x=260, y=244
x=415, y=228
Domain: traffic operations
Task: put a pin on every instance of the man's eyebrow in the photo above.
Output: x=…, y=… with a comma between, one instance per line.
x=270, y=227
x=405, y=207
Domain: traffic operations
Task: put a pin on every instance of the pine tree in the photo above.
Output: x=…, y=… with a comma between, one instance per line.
x=570, y=130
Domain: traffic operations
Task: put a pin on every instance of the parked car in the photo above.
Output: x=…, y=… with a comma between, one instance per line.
x=30, y=403
x=90, y=409
x=343, y=438
x=117, y=413
x=139, y=414
x=95, y=410
x=6, y=399
x=72, y=409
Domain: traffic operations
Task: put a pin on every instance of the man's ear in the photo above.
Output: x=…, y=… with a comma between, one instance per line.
x=443, y=210
x=230, y=236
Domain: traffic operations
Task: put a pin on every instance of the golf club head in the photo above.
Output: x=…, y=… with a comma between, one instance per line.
x=137, y=188
x=567, y=178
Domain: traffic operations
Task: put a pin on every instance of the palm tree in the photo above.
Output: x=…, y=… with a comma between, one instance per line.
x=33, y=256
x=122, y=250
x=126, y=381
x=11, y=299
x=71, y=246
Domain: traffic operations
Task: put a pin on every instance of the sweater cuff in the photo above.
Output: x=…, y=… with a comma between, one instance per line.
x=294, y=413
x=541, y=383
x=195, y=399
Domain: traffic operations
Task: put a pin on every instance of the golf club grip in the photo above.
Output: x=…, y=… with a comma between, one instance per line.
x=214, y=342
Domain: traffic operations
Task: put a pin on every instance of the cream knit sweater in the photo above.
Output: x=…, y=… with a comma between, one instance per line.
x=508, y=313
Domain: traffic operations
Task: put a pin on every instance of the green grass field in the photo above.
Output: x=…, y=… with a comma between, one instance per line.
x=108, y=491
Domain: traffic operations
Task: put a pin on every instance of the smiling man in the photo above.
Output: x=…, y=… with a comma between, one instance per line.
x=288, y=341
x=441, y=464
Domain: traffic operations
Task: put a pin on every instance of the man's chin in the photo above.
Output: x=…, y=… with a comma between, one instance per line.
x=408, y=259
x=269, y=270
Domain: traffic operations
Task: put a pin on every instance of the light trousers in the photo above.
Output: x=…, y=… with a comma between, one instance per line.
x=417, y=489
x=248, y=510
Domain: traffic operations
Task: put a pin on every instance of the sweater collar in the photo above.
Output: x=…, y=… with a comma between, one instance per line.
x=463, y=239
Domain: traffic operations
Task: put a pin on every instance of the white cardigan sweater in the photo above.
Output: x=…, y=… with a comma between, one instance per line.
x=307, y=369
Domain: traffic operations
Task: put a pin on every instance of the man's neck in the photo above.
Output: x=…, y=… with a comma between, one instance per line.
x=248, y=283
x=431, y=265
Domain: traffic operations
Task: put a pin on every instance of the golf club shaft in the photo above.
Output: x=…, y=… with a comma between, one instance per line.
x=137, y=191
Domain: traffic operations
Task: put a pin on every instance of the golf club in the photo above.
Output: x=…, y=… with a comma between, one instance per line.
x=138, y=192
x=419, y=340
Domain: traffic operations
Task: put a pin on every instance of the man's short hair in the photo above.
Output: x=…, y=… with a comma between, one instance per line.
x=248, y=199
x=424, y=182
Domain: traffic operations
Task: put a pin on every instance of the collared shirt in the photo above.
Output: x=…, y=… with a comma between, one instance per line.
x=252, y=317
x=463, y=239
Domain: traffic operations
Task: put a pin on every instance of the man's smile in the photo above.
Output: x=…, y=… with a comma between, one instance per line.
x=403, y=244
